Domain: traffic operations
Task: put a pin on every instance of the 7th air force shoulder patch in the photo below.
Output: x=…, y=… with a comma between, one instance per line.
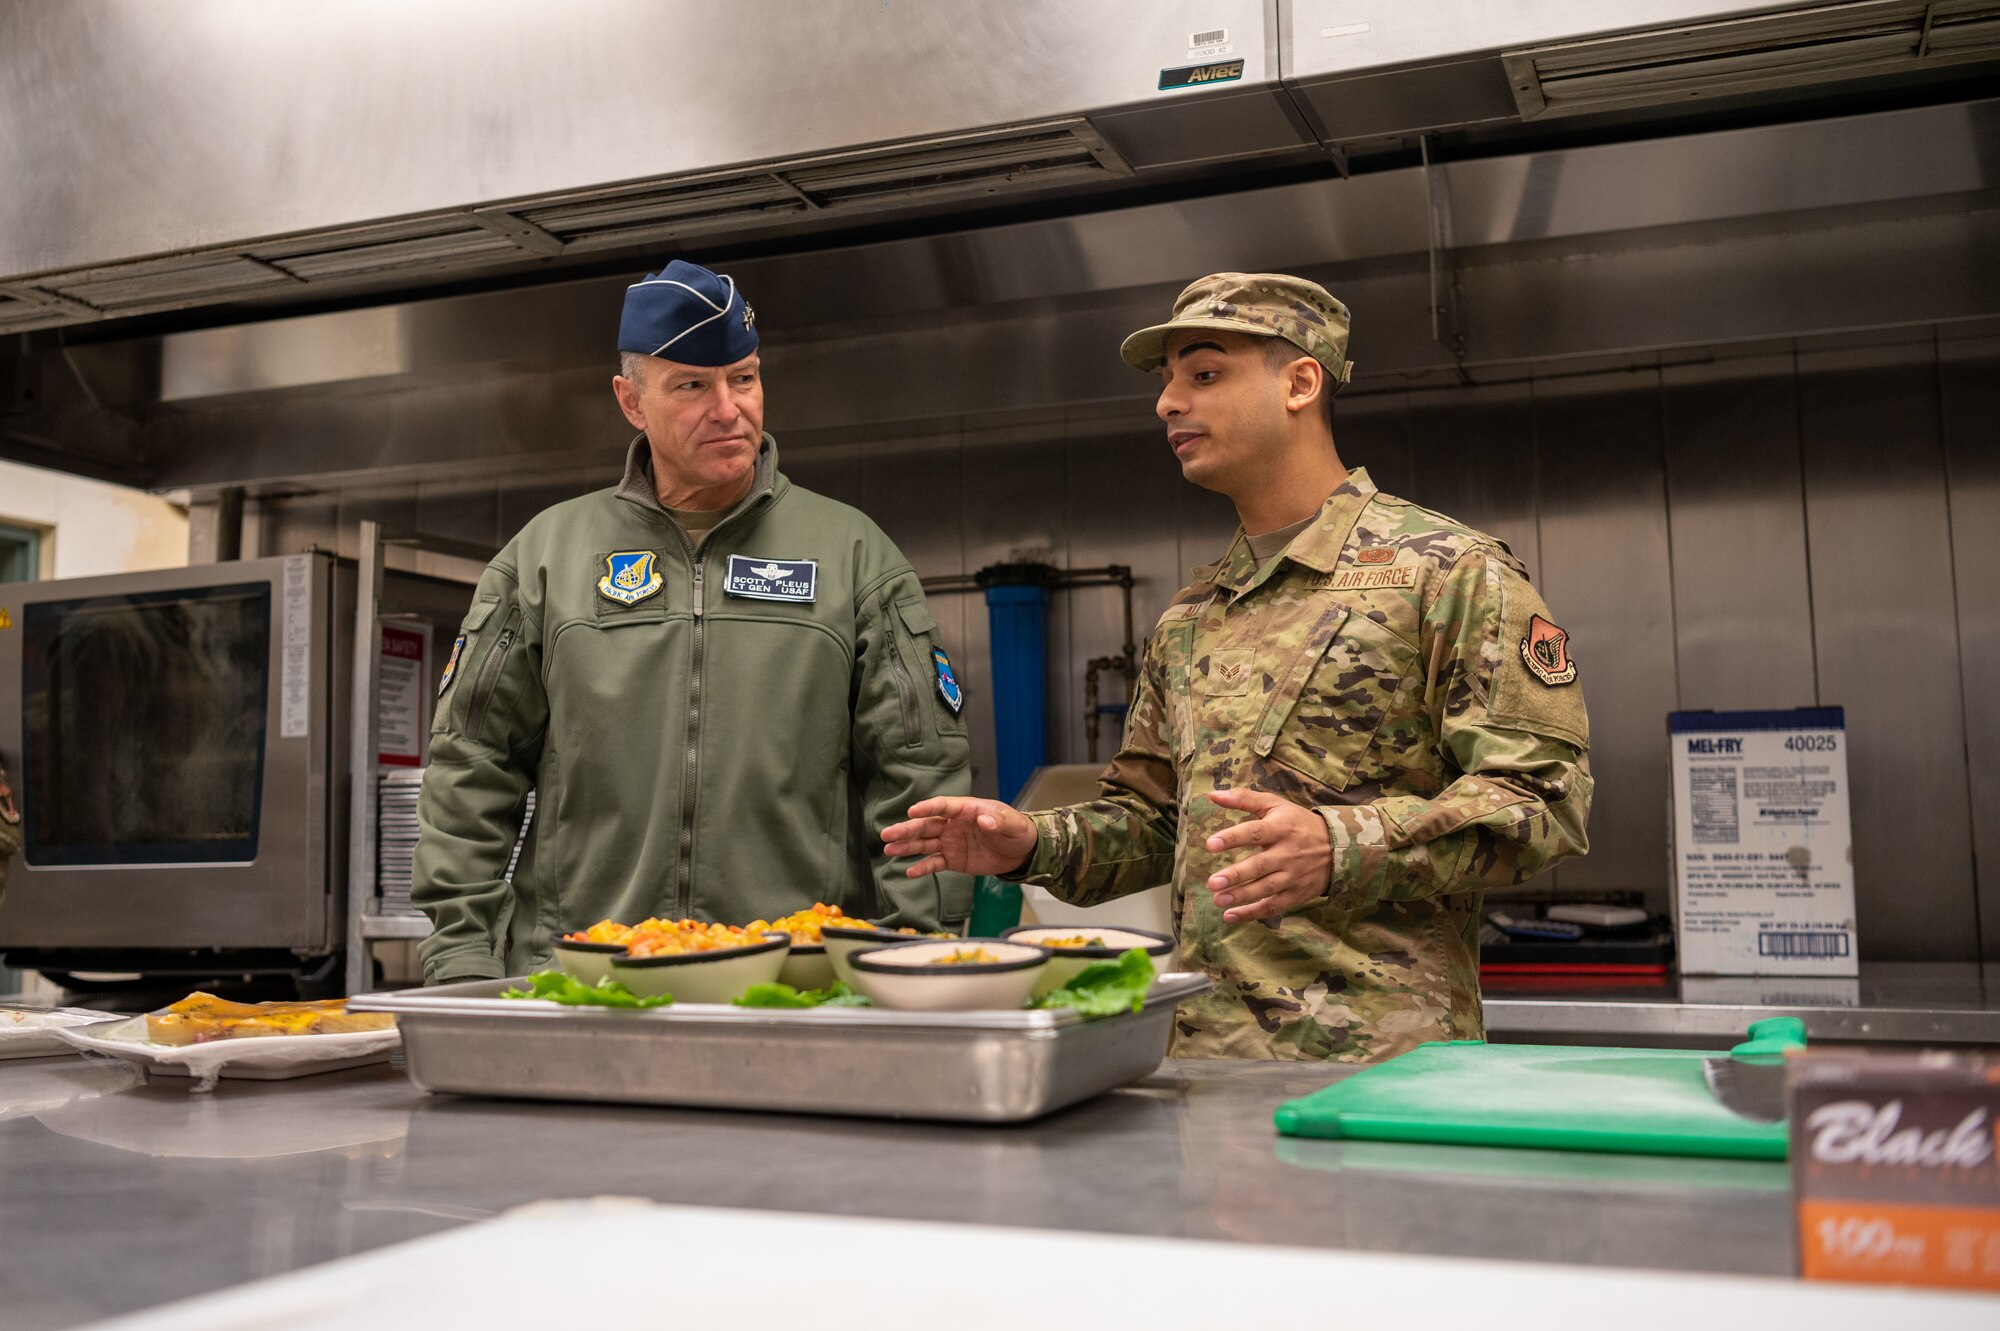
x=947, y=682
x=630, y=576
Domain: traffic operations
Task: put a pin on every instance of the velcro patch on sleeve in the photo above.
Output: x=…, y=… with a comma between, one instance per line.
x=1536, y=682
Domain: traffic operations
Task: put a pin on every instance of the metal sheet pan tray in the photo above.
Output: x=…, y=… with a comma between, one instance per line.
x=991, y=1067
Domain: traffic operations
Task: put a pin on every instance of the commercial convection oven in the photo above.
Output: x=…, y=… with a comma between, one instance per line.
x=178, y=743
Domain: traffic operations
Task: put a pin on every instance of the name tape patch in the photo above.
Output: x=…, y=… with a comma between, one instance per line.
x=1368, y=579
x=772, y=579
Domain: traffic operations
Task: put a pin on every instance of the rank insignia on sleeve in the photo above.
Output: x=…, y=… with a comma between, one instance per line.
x=1546, y=652
x=630, y=576
x=947, y=682
x=451, y=666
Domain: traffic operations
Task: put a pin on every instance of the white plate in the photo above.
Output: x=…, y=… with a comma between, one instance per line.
x=31, y=1032
x=269, y=1058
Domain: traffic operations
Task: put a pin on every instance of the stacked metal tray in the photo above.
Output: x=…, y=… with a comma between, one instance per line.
x=992, y=1067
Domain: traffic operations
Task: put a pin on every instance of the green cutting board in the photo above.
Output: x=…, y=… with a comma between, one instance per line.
x=1563, y=1098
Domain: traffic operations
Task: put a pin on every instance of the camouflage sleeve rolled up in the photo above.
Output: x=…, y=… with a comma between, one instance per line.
x=1504, y=702
x=1122, y=842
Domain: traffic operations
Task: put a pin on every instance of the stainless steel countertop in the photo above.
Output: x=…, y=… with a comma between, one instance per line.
x=116, y=1195
x=1909, y=1003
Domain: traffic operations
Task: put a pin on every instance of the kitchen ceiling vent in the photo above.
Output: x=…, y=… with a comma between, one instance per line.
x=981, y=162
x=1820, y=45
x=924, y=171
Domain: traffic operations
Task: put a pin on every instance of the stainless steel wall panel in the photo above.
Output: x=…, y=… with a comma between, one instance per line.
x=1374, y=432
x=1742, y=592
x=839, y=475
x=1123, y=483
x=392, y=505
x=1770, y=280
x=1605, y=575
x=1474, y=460
x=293, y=524
x=1763, y=171
x=1969, y=378
x=521, y=500
x=1879, y=528
x=466, y=511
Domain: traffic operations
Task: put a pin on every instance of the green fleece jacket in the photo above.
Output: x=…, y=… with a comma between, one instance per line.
x=717, y=730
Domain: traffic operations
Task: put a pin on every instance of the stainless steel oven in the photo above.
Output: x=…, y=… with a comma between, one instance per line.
x=179, y=745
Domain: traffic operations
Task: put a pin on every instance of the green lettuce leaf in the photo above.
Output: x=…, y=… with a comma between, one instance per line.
x=1105, y=988
x=836, y=994
x=558, y=987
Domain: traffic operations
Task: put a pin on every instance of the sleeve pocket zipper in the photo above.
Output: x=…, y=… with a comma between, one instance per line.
x=906, y=688
x=489, y=679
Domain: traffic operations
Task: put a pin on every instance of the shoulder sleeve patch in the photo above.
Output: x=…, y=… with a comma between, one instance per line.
x=1536, y=682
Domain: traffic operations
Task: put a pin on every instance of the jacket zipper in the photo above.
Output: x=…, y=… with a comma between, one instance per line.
x=691, y=779
x=489, y=679
x=690, y=787
x=906, y=687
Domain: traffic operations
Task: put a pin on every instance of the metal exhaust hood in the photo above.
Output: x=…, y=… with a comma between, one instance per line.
x=1759, y=53
x=236, y=153
x=230, y=150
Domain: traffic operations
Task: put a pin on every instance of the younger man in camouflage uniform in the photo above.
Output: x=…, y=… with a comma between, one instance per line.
x=1343, y=732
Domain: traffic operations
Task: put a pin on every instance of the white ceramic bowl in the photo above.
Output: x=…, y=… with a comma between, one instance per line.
x=589, y=962
x=910, y=978
x=843, y=941
x=1066, y=962
x=807, y=966
x=704, y=977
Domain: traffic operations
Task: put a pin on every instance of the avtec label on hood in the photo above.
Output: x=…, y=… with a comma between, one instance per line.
x=1198, y=76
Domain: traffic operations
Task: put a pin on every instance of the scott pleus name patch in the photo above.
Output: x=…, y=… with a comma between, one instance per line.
x=772, y=579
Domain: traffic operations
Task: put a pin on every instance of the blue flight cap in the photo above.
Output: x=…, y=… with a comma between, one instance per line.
x=687, y=314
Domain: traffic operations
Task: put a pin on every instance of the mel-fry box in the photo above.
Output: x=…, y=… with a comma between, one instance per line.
x=1896, y=1167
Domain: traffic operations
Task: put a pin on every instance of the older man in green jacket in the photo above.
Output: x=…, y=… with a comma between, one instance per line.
x=720, y=686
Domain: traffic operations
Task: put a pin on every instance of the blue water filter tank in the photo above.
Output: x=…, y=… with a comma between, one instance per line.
x=1018, y=618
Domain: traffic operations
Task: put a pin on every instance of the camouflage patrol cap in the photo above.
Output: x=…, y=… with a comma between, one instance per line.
x=1261, y=304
